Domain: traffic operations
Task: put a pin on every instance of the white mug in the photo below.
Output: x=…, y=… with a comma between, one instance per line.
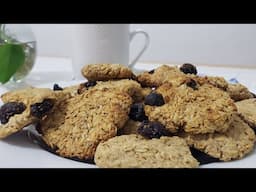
x=103, y=43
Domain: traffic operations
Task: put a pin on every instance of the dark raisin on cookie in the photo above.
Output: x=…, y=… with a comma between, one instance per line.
x=56, y=87
x=202, y=157
x=10, y=109
x=152, y=71
x=90, y=84
x=39, y=110
x=188, y=68
x=154, y=99
x=137, y=112
x=84, y=86
x=192, y=83
x=152, y=129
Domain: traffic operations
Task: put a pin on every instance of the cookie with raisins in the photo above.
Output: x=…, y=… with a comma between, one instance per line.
x=24, y=107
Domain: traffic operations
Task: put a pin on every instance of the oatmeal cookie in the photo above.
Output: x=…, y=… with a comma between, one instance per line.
x=24, y=107
x=104, y=72
x=192, y=107
x=233, y=144
x=79, y=124
x=133, y=151
x=160, y=75
x=247, y=110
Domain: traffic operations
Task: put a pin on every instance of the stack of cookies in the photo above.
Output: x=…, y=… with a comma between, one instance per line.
x=163, y=118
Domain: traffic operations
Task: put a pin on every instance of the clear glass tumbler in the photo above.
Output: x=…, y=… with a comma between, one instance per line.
x=20, y=34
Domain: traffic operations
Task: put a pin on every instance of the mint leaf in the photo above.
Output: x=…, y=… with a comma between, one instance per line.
x=12, y=56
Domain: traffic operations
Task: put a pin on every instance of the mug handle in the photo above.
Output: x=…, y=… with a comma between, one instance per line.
x=147, y=41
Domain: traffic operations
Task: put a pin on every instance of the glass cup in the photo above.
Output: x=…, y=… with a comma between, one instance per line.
x=20, y=34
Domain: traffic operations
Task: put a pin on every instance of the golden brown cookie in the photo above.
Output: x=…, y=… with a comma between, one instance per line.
x=133, y=151
x=79, y=124
x=173, y=75
x=233, y=144
x=24, y=107
x=160, y=75
x=104, y=72
x=247, y=110
x=193, y=108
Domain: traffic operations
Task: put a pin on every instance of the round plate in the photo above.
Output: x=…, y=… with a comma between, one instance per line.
x=19, y=151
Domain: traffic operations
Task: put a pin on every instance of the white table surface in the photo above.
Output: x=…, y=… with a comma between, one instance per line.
x=17, y=151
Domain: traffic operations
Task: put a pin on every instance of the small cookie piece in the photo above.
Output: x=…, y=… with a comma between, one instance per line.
x=247, y=109
x=239, y=92
x=130, y=87
x=206, y=109
x=24, y=107
x=162, y=75
x=133, y=151
x=80, y=123
x=104, y=72
x=233, y=144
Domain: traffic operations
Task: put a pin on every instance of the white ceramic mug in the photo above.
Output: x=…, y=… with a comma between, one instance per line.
x=103, y=43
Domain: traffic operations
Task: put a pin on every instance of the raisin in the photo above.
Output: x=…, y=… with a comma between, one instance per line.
x=152, y=129
x=152, y=71
x=90, y=84
x=56, y=87
x=202, y=157
x=188, y=68
x=137, y=112
x=154, y=99
x=84, y=86
x=10, y=109
x=192, y=83
x=39, y=110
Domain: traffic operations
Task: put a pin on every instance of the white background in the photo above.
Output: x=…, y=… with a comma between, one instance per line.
x=215, y=44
